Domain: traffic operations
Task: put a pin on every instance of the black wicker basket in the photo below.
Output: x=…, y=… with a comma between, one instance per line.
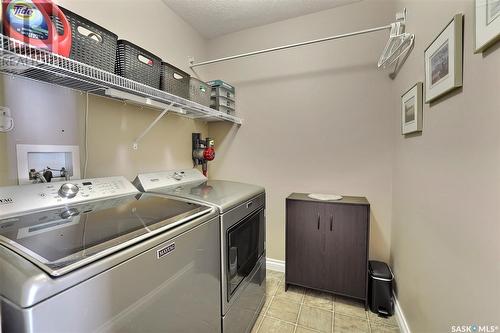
x=90, y=43
x=174, y=81
x=199, y=91
x=135, y=63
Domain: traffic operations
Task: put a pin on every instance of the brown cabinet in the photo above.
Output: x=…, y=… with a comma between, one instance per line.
x=327, y=244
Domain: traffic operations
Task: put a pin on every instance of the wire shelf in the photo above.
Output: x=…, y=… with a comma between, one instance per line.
x=21, y=59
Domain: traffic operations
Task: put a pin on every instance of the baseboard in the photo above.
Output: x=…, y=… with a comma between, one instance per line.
x=275, y=265
x=400, y=317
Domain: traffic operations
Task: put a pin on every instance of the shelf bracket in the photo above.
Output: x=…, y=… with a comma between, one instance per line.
x=135, y=145
x=145, y=102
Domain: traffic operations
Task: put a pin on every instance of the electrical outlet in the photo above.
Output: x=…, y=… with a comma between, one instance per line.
x=6, y=120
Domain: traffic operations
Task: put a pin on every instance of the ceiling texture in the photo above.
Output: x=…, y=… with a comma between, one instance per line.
x=214, y=18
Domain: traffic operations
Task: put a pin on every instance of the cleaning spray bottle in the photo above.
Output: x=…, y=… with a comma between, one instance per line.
x=33, y=23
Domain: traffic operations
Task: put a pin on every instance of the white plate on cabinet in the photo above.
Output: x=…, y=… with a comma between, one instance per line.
x=324, y=197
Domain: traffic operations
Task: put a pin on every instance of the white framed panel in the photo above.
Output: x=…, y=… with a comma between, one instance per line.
x=40, y=156
x=487, y=24
x=411, y=109
x=443, y=60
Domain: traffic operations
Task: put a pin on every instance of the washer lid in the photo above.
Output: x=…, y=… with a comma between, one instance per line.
x=65, y=238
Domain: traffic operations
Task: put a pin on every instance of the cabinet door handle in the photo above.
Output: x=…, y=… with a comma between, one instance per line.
x=319, y=220
x=331, y=222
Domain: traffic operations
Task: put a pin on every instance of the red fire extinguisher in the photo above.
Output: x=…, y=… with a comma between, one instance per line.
x=203, y=151
x=32, y=22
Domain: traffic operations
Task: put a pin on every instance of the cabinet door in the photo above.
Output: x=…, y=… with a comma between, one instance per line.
x=305, y=243
x=347, y=249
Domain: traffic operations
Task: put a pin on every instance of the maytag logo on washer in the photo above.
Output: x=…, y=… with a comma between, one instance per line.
x=6, y=201
x=165, y=250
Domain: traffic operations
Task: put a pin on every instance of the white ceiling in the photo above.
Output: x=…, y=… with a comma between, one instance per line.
x=214, y=18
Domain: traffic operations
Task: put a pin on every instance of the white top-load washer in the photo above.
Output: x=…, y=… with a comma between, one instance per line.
x=98, y=255
x=242, y=237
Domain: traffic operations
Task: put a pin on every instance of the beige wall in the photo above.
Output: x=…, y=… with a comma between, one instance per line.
x=114, y=126
x=47, y=114
x=317, y=119
x=4, y=167
x=323, y=119
x=445, y=247
x=4, y=161
x=43, y=114
x=147, y=23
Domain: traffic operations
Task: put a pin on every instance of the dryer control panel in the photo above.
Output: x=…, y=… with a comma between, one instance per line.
x=26, y=198
x=150, y=181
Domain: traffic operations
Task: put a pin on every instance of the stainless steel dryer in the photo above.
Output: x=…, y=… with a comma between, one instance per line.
x=242, y=232
x=99, y=256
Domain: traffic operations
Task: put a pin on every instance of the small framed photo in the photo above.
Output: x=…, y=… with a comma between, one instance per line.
x=443, y=60
x=411, y=109
x=487, y=24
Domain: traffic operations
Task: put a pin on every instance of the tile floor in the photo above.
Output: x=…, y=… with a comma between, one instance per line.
x=302, y=310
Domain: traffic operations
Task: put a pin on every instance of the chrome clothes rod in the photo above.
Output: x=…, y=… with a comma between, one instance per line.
x=243, y=55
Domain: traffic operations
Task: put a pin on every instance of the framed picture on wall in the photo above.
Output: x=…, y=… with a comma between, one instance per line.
x=443, y=60
x=411, y=109
x=487, y=24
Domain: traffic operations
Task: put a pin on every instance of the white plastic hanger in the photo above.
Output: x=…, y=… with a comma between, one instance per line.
x=398, y=44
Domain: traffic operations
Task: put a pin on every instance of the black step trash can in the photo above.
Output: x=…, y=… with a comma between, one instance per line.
x=380, y=288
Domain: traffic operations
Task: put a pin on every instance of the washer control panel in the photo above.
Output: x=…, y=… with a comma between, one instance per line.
x=150, y=181
x=26, y=198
